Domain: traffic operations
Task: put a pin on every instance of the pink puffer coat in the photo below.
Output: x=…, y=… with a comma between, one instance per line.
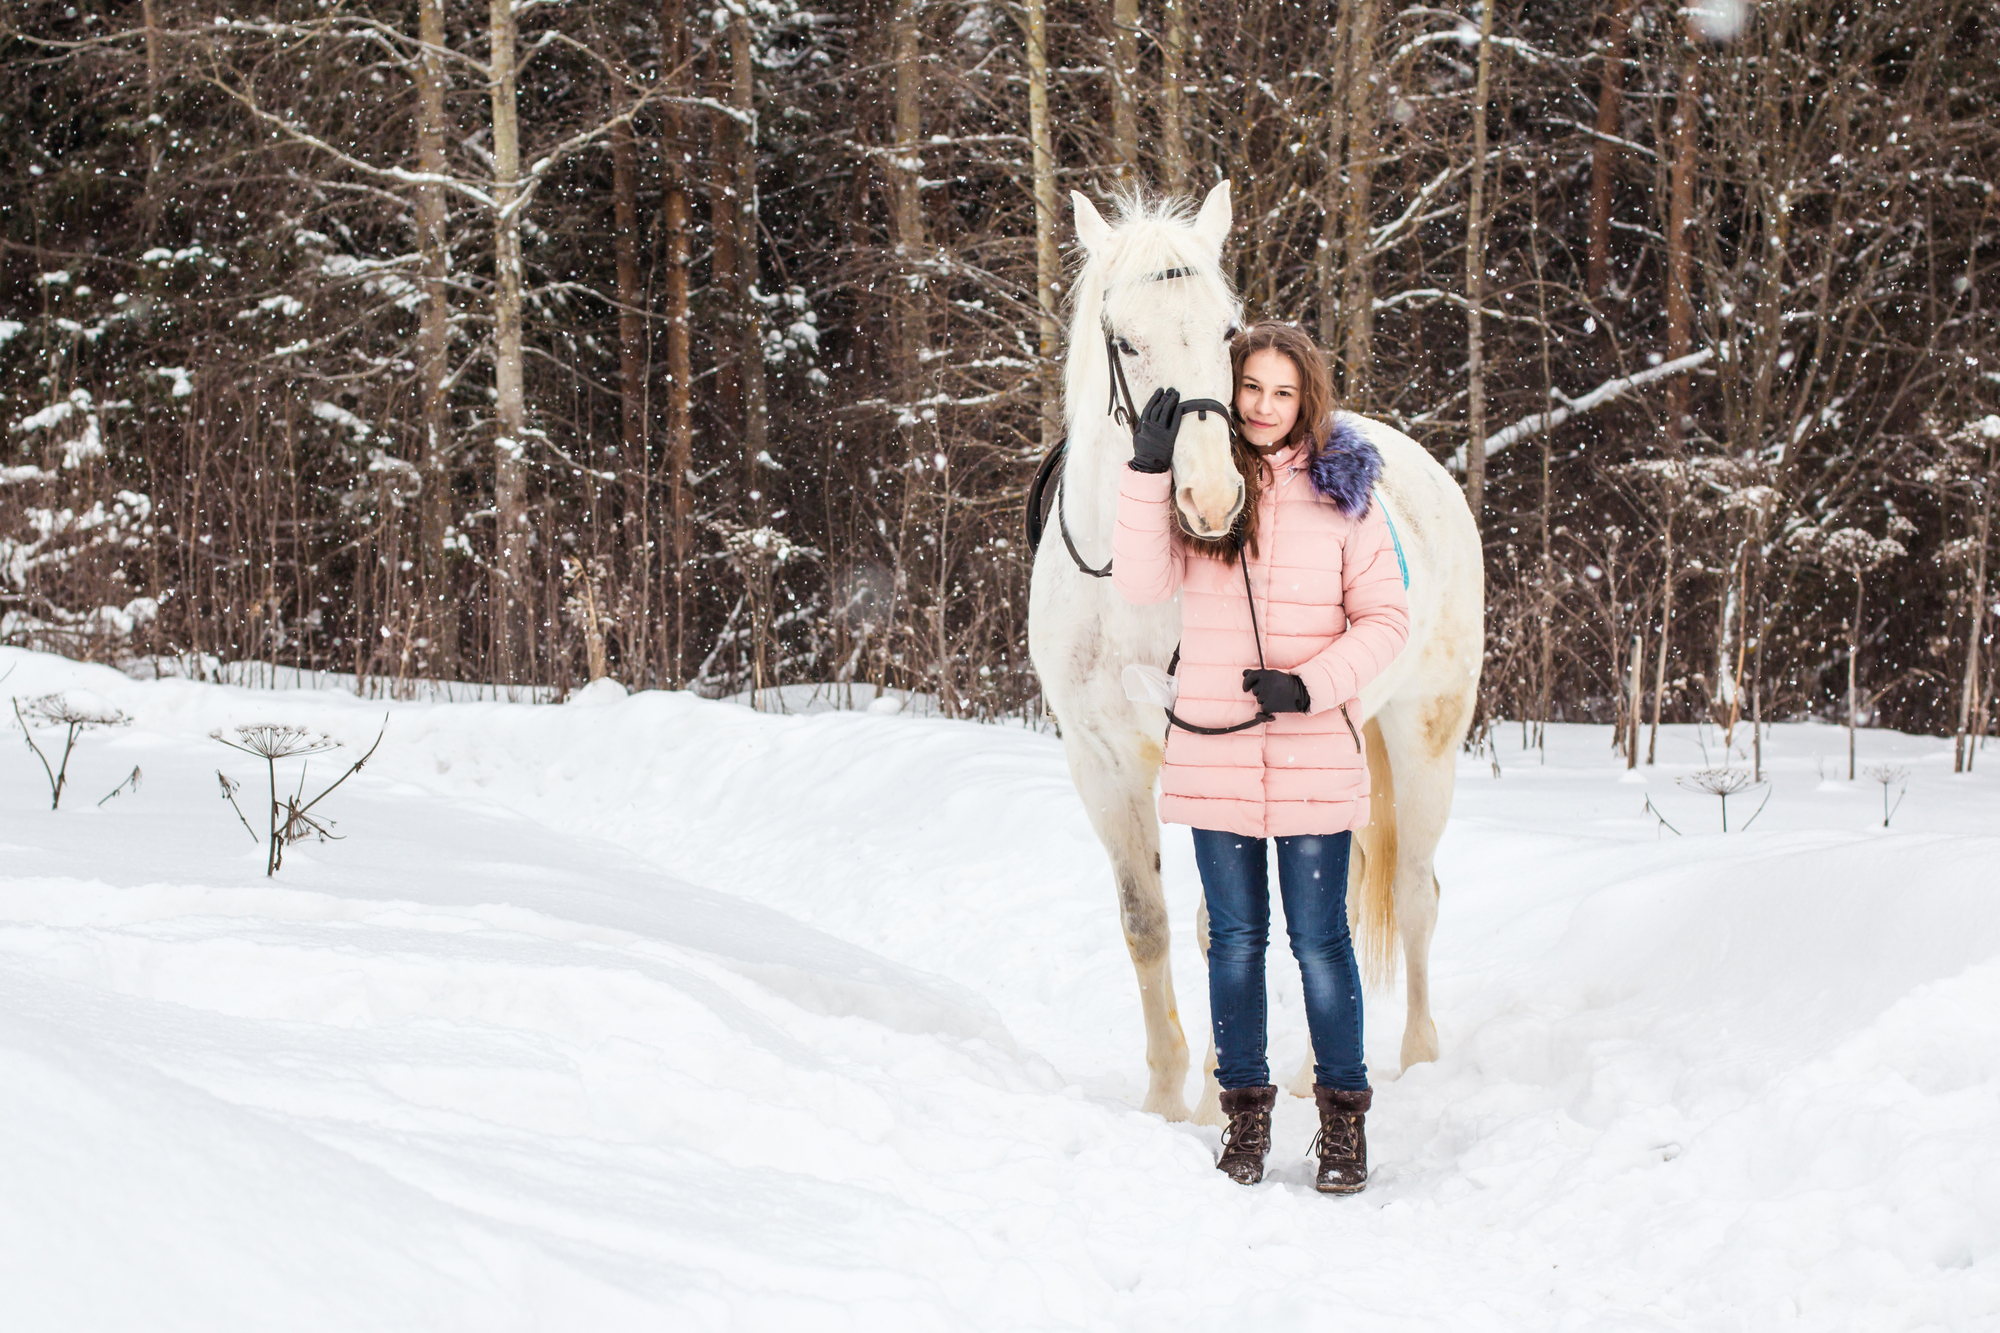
x=1330, y=609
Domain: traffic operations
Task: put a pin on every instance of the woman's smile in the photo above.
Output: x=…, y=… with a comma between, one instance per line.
x=1267, y=398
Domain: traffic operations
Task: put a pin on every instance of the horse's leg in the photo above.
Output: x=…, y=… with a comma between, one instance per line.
x=1422, y=737
x=1208, y=1108
x=1116, y=784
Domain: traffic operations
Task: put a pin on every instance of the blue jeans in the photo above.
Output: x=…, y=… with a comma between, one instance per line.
x=1312, y=877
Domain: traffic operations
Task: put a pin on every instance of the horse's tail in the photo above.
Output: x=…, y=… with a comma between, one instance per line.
x=1371, y=878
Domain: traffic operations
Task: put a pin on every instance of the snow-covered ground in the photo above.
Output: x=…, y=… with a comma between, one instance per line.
x=657, y=1013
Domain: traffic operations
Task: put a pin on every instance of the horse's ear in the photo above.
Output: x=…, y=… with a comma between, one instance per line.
x=1212, y=223
x=1091, y=228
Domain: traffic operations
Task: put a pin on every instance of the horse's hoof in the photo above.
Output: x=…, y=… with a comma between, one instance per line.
x=1168, y=1106
x=1420, y=1045
x=1209, y=1110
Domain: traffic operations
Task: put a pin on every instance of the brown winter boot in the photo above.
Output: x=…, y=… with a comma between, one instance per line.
x=1342, y=1143
x=1248, y=1135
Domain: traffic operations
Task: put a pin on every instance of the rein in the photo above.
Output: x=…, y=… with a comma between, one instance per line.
x=1262, y=717
x=1126, y=413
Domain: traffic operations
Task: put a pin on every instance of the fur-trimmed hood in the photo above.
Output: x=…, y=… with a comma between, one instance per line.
x=1346, y=469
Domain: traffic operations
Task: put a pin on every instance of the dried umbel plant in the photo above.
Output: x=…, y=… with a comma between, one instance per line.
x=60, y=711
x=291, y=819
x=1724, y=783
x=1890, y=775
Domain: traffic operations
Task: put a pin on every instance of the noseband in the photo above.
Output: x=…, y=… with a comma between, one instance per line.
x=1126, y=413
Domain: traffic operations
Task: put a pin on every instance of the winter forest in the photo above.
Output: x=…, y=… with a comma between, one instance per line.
x=716, y=346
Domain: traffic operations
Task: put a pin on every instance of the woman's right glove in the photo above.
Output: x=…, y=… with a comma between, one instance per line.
x=1153, y=437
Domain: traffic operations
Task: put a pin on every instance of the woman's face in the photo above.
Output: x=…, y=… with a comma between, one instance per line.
x=1267, y=397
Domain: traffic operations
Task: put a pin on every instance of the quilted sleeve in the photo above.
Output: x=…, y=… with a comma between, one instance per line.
x=1146, y=560
x=1378, y=616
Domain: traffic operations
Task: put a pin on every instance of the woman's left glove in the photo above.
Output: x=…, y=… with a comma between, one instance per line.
x=1153, y=436
x=1276, y=691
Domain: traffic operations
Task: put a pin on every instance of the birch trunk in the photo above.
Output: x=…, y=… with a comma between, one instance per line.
x=750, y=313
x=1334, y=210
x=1636, y=710
x=1475, y=280
x=434, y=338
x=631, y=298
x=1048, y=263
x=910, y=301
x=1968, y=697
x=513, y=596
x=149, y=16
x=1357, y=283
x=1853, y=654
x=1666, y=633
x=1123, y=60
x=1173, y=105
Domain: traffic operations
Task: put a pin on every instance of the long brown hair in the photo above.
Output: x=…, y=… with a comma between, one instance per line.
x=1315, y=420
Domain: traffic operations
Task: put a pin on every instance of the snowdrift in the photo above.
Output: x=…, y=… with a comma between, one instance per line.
x=643, y=1012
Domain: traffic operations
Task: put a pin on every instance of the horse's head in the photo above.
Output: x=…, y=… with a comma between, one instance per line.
x=1152, y=294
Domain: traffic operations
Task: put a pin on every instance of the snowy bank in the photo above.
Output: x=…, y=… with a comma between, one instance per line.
x=647, y=1011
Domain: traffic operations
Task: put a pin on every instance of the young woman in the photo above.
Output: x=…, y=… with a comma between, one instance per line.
x=1282, y=625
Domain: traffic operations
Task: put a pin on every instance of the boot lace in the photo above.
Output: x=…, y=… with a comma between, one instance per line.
x=1338, y=1139
x=1247, y=1131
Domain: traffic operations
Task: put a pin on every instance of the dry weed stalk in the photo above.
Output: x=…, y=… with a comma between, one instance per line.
x=1890, y=775
x=291, y=819
x=1724, y=783
x=57, y=710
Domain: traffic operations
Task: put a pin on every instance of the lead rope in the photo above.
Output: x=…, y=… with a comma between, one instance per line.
x=1243, y=559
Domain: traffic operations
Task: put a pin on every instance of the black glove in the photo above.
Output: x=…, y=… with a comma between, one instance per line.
x=1153, y=437
x=1276, y=691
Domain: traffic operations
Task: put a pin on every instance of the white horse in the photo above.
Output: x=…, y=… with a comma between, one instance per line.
x=1152, y=293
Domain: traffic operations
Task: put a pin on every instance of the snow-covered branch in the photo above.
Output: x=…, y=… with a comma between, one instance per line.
x=1574, y=407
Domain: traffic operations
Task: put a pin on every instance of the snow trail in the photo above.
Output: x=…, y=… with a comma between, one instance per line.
x=652, y=1009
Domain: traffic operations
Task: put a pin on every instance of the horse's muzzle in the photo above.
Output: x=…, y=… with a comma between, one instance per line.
x=1209, y=511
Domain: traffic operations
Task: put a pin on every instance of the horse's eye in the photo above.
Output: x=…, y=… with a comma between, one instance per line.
x=1229, y=334
x=1127, y=348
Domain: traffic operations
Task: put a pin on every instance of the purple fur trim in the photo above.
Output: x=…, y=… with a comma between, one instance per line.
x=1346, y=469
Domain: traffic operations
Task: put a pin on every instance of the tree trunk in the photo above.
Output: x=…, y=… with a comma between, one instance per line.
x=513, y=599
x=722, y=233
x=434, y=343
x=1636, y=709
x=1603, y=152
x=1666, y=633
x=1173, y=106
x=910, y=299
x=1546, y=516
x=1968, y=696
x=680, y=375
x=1475, y=280
x=1357, y=281
x=750, y=313
x=1853, y=655
x=1680, y=257
x=1333, y=213
x=149, y=16
x=631, y=297
x=1123, y=61
x=1048, y=262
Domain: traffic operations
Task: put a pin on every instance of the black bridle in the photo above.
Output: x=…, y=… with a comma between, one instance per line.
x=1126, y=413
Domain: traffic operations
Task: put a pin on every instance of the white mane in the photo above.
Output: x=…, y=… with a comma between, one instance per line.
x=1149, y=236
